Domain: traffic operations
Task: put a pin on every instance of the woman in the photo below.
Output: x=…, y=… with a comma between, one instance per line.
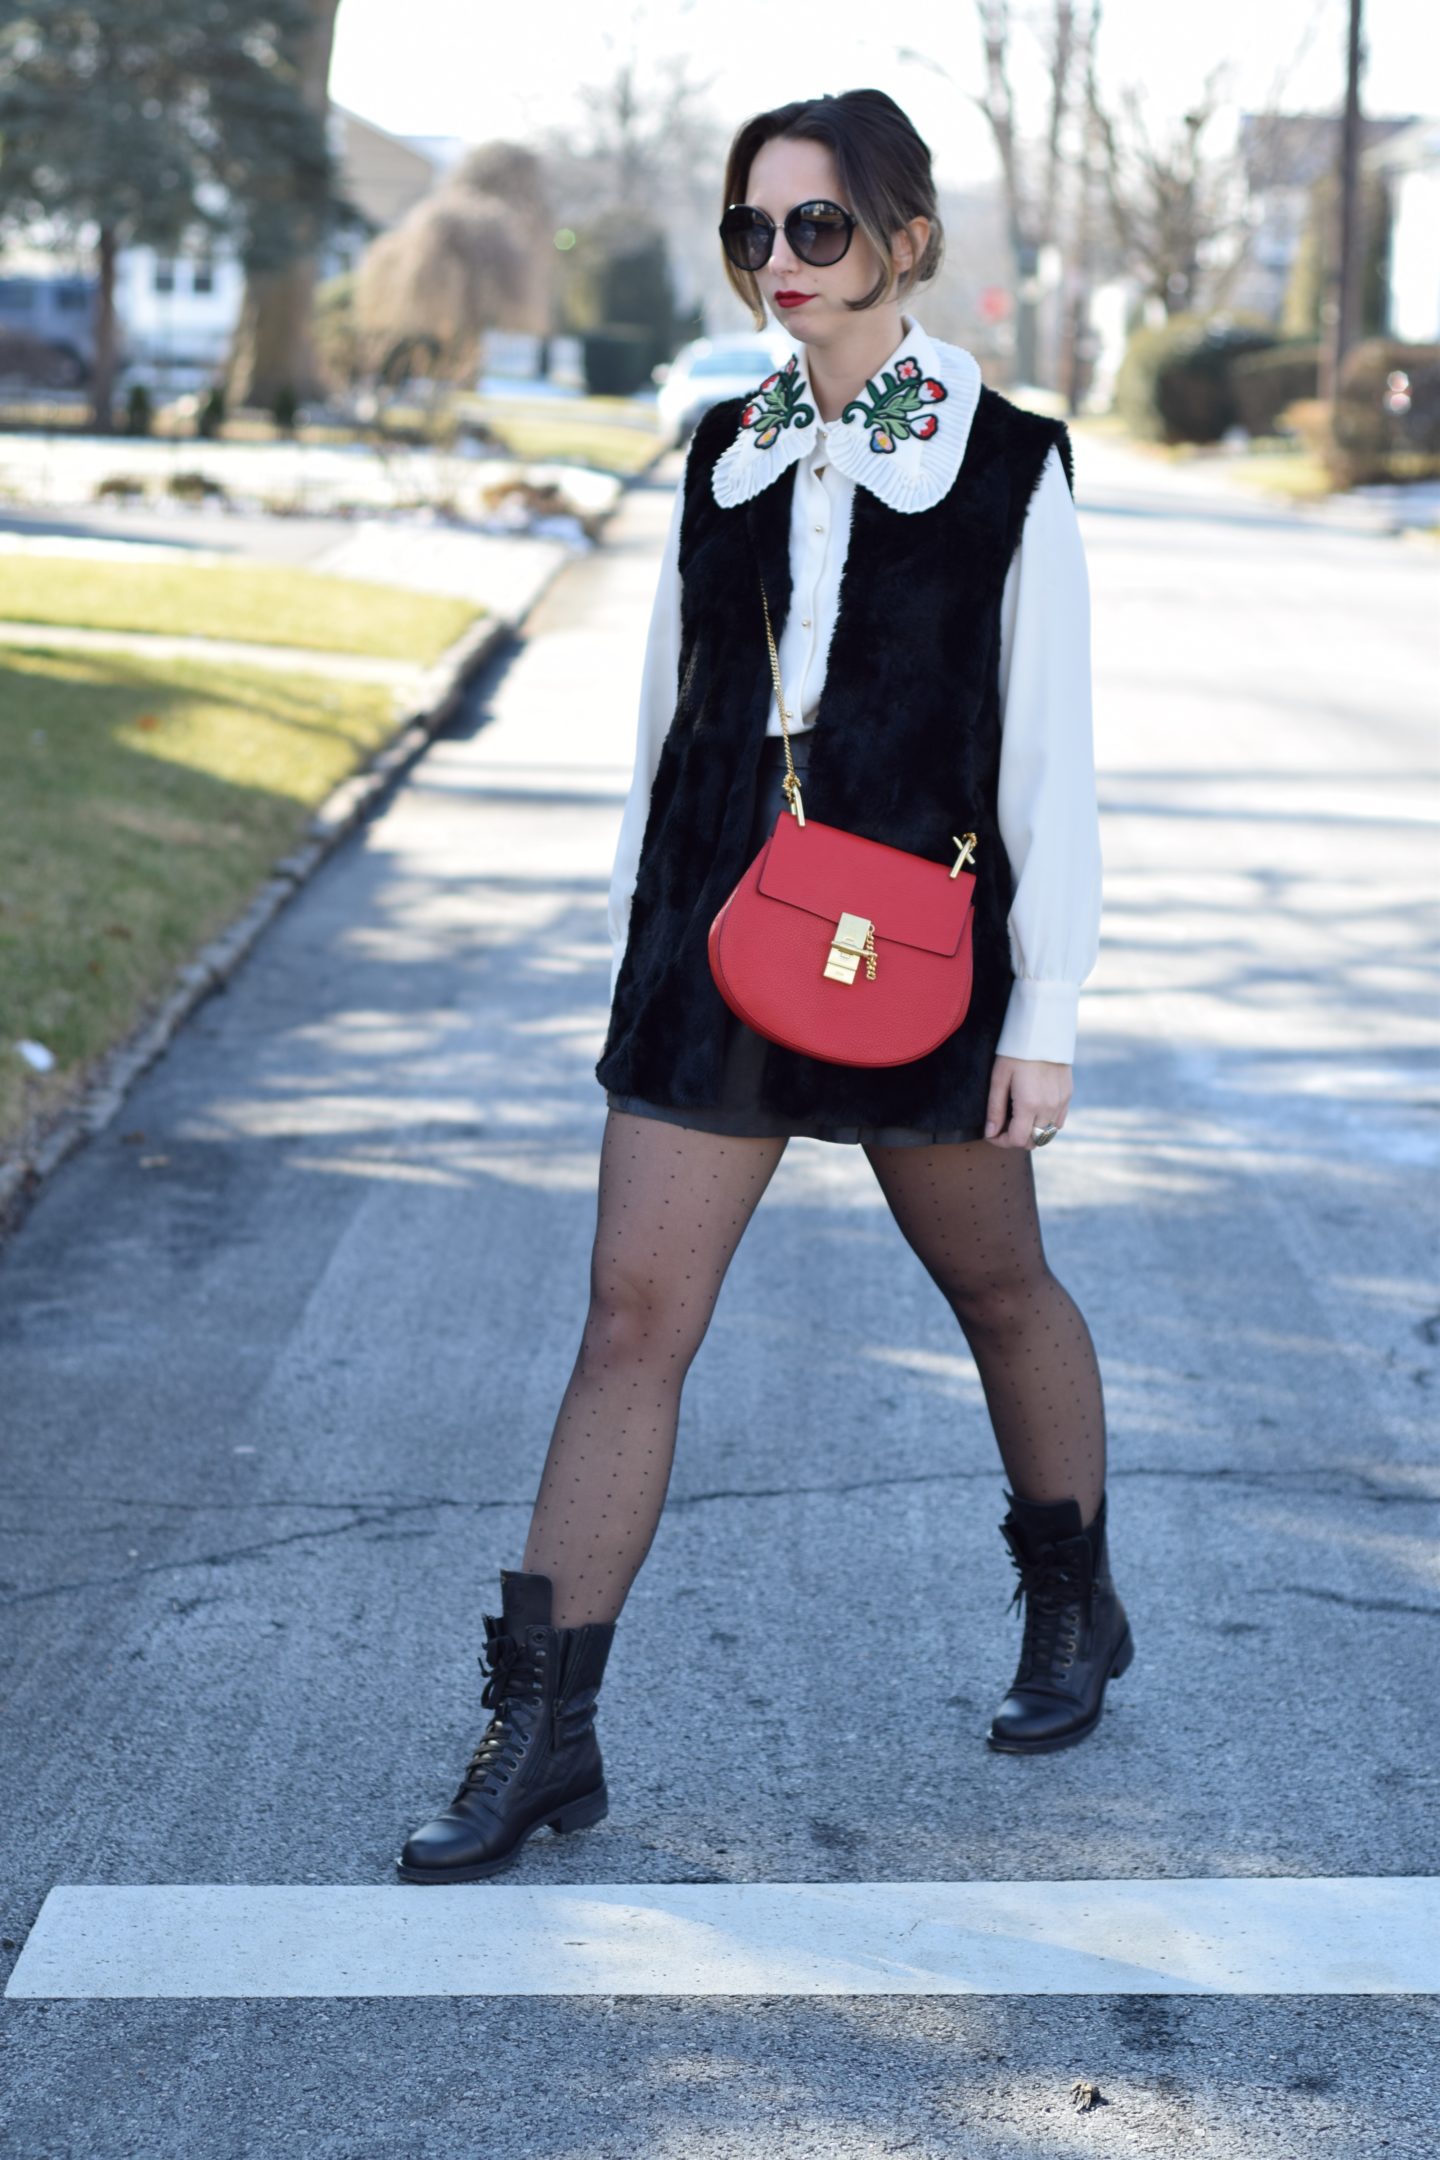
x=940, y=686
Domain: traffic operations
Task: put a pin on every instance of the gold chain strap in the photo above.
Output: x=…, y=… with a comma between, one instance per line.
x=965, y=842
x=791, y=783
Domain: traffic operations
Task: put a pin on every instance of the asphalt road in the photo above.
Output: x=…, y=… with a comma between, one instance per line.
x=283, y=1347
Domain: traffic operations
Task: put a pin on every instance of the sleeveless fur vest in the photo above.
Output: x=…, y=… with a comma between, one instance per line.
x=906, y=749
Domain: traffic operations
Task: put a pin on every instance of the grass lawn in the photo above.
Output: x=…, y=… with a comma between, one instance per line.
x=1272, y=465
x=143, y=803
x=260, y=603
x=612, y=434
x=1296, y=474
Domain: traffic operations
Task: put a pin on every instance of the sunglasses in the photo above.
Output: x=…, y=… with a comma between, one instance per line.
x=819, y=233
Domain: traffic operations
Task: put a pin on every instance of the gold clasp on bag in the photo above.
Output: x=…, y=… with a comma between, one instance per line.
x=966, y=847
x=854, y=941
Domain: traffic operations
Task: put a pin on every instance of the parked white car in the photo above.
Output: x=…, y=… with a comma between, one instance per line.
x=709, y=370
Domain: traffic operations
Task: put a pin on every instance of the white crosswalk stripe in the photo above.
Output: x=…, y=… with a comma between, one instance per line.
x=1293, y=1935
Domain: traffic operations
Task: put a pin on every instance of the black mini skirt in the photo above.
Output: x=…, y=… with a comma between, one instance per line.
x=742, y=1110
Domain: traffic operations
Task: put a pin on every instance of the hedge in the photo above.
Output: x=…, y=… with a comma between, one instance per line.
x=1264, y=383
x=1382, y=433
x=618, y=358
x=1174, y=383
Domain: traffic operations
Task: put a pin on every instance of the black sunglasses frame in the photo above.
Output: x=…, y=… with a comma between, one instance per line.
x=793, y=218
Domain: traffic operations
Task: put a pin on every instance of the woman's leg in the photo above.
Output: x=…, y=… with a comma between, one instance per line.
x=671, y=1208
x=969, y=1211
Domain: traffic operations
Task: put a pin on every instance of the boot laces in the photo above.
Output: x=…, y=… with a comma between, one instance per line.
x=516, y=1671
x=1054, y=1594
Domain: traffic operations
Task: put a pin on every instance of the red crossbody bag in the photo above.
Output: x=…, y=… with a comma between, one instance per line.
x=842, y=947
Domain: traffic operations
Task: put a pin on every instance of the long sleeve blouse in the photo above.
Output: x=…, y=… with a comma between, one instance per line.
x=1047, y=806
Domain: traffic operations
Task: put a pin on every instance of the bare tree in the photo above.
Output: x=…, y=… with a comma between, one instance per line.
x=514, y=175
x=1181, y=218
x=648, y=130
x=1166, y=203
x=652, y=146
x=1033, y=208
x=462, y=262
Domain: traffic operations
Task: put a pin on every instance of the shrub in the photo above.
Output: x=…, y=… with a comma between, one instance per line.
x=1264, y=383
x=1309, y=418
x=139, y=410
x=1386, y=422
x=1174, y=381
x=619, y=296
x=211, y=416
x=618, y=359
x=1147, y=351
x=194, y=487
x=285, y=409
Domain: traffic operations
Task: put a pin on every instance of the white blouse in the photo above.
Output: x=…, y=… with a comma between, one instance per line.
x=1046, y=806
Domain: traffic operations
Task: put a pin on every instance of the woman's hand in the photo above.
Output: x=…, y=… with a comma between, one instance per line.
x=1033, y=1090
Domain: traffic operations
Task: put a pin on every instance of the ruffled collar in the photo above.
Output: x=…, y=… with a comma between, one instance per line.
x=903, y=437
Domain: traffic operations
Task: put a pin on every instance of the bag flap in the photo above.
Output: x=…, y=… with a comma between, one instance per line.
x=830, y=873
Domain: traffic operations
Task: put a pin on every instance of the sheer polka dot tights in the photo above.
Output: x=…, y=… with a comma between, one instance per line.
x=671, y=1208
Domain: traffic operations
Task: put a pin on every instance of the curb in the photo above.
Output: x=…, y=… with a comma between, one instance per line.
x=99, y=1094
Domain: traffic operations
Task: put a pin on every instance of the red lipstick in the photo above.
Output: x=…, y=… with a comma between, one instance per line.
x=792, y=299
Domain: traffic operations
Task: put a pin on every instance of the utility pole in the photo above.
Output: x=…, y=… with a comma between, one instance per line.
x=1345, y=326
x=1077, y=346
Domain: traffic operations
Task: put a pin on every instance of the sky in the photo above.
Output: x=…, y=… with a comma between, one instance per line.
x=475, y=69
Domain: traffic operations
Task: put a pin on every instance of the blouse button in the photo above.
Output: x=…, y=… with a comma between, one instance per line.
x=805, y=622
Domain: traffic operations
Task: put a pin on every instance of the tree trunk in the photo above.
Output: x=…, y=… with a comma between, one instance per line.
x=107, y=340
x=273, y=349
x=1024, y=364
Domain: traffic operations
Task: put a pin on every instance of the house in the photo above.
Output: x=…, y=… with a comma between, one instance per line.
x=178, y=312
x=1409, y=166
x=1282, y=157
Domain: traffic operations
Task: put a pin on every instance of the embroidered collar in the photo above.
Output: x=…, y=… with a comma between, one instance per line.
x=903, y=437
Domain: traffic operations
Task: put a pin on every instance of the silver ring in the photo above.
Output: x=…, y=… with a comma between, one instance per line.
x=1039, y=1134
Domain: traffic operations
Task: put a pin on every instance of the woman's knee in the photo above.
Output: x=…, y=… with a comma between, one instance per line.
x=639, y=1313
x=1000, y=1300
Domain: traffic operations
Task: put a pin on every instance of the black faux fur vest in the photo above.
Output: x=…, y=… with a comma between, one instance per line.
x=906, y=749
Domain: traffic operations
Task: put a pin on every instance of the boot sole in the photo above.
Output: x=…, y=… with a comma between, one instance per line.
x=1124, y=1654
x=578, y=1814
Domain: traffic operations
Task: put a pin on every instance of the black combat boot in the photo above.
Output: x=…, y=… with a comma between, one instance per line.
x=538, y=1760
x=1076, y=1634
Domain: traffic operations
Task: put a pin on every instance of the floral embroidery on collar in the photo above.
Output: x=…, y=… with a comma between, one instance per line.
x=891, y=416
x=777, y=404
x=891, y=440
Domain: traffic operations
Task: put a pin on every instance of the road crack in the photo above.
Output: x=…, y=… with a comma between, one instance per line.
x=1355, y=1604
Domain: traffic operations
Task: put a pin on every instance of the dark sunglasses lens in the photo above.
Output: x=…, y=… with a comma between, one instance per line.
x=818, y=232
x=747, y=237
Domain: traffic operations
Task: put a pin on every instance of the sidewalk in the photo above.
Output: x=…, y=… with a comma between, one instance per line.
x=1218, y=477
x=502, y=572
x=507, y=576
